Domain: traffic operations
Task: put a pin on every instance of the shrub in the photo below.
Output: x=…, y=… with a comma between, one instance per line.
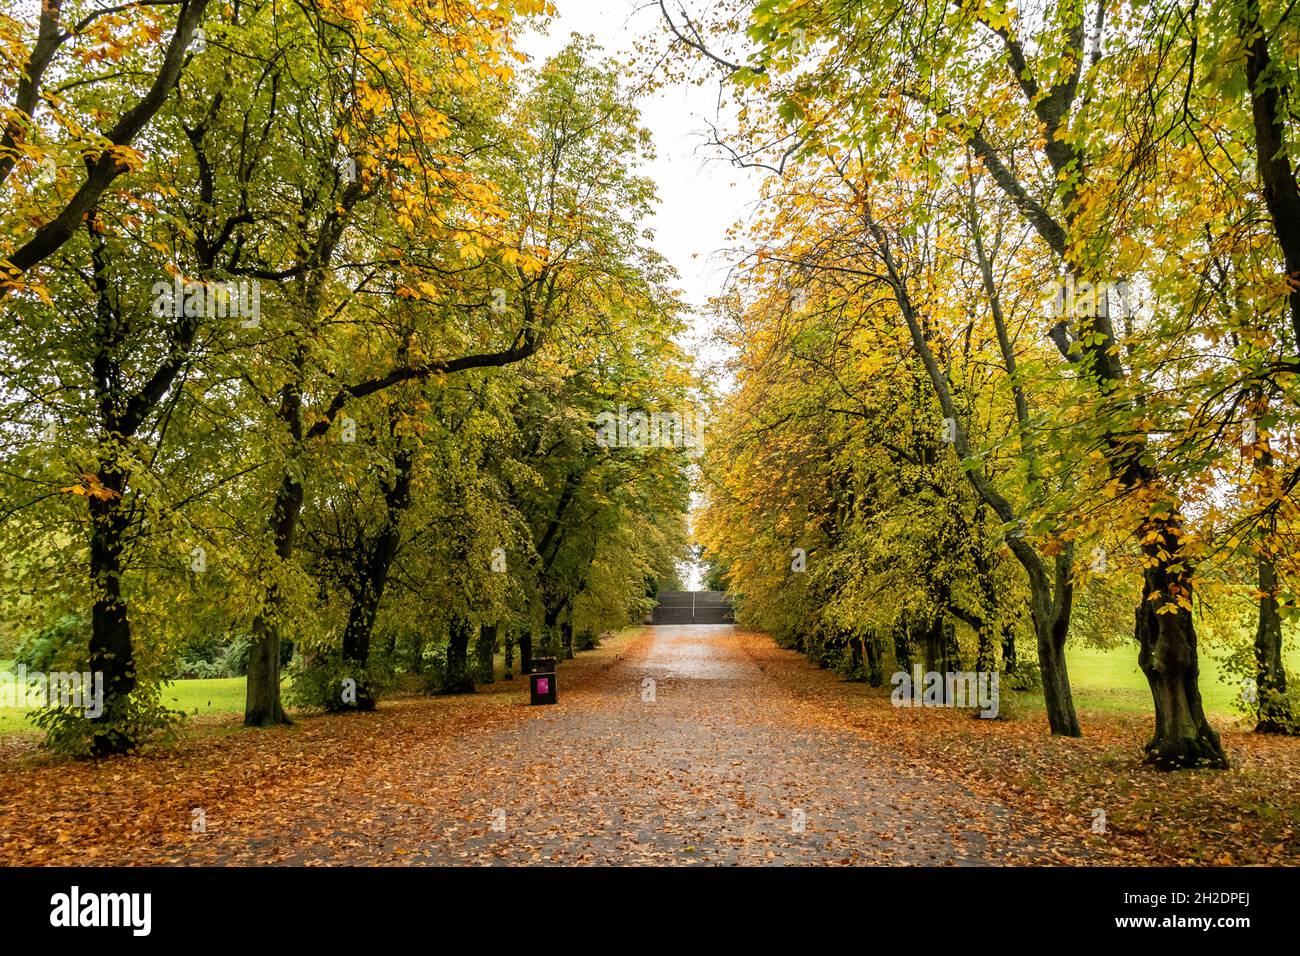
x=202, y=658
x=61, y=646
x=64, y=646
x=1238, y=669
x=323, y=684
x=140, y=717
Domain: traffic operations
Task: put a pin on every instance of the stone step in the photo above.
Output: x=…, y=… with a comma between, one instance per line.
x=693, y=607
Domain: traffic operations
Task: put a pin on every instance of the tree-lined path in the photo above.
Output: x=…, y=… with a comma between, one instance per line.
x=358, y=354
x=709, y=764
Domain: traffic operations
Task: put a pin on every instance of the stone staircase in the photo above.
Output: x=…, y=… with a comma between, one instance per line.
x=692, y=607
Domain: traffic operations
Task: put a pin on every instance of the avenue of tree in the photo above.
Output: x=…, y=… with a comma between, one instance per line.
x=313, y=312
x=377, y=455
x=1017, y=331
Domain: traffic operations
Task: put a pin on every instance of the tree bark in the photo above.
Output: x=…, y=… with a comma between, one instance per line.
x=1183, y=737
x=525, y=652
x=931, y=653
x=262, y=706
x=375, y=564
x=551, y=645
x=1272, y=161
x=485, y=651
x=903, y=647
x=1274, y=708
x=566, y=631
x=1009, y=661
x=875, y=659
x=855, y=657
x=459, y=680
x=111, y=651
x=1051, y=630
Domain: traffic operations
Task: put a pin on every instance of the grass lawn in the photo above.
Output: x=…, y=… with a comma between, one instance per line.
x=223, y=695
x=1110, y=681
x=1103, y=680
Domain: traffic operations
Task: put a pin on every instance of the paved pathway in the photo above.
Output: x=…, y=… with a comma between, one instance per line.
x=713, y=763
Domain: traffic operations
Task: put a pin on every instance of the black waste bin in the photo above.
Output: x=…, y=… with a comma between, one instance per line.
x=541, y=682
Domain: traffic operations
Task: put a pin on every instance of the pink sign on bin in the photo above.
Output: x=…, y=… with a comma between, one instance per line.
x=543, y=685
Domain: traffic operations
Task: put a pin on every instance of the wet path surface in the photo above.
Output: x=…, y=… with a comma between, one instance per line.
x=681, y=750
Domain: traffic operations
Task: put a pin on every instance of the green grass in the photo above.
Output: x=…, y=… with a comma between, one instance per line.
x=223, y=695
x=1110, y=681
x=1102, y=680
x=219, y=695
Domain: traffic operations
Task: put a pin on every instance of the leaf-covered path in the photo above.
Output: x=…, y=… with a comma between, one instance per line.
x=713, y=763
x=722, y=766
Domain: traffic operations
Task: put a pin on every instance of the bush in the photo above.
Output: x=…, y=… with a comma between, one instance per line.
x=202, y=658
x=191, y=669
x=1238, y=669
x=323, y=684
x=64, y=646
x=139, y=718
x=235, y=660
x=61, y=646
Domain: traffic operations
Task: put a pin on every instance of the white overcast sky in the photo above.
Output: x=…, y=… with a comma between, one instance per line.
x=700, y=194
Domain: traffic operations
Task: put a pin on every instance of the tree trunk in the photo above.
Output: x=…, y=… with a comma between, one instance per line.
x=509, y=651
x=1058, y=699
x=930, y=652
x=855, y=657
x=262, y=706
x=939, y=642
x=875, y=659
x=111, y=651
x=1270, y=113
x=1183, y=737
x=551, y=632
x=903, y=647
x=951, y=649
x=525, y=652
x=484, y=651
x=1274, y=709
x=356, y=644
x=375, y=564
x=566, y=633
x=985, y=655
x=1009, y=661
x=459, y=680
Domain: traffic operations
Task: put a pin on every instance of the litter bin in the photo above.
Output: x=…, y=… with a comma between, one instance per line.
x=541, y=682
